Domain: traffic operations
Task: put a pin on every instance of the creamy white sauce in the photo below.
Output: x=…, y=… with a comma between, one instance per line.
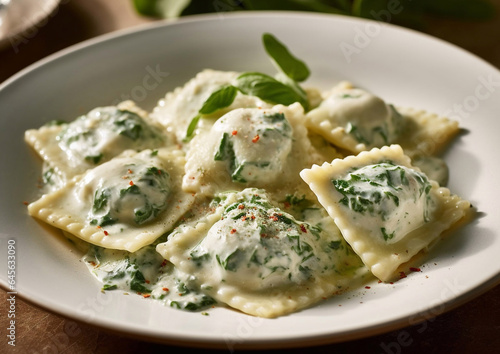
x=125, y=191
x=256, y=245
x=390, y=200
x=147, y=273
x=364, y=116
x=254, y=144
x=434, y=168
x=104, y=133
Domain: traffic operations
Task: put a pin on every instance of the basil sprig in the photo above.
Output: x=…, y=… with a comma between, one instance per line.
x=284, y=89
x=219, y=99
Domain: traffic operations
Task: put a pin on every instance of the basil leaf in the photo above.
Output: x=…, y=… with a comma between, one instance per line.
x=219, y=99
x=292, y=67
x=268, y=89
x=191, y=127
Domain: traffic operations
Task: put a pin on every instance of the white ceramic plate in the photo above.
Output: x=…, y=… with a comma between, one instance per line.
x=18, y=16
x=402, y=66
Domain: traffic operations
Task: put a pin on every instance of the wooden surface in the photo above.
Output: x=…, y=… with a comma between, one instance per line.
x=471, y=328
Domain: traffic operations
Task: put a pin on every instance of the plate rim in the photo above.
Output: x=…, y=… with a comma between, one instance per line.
x=261, y=343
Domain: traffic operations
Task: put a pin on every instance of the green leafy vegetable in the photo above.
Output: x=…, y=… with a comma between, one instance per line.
x=109, y=287
x=219, y=99
x=95, y=159
x=269, y=89
x=130, y=125
x=292, y=67
x=226, y=153
x=47, y=176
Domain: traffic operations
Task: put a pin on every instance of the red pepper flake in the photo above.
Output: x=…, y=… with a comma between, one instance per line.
x=25, y=203
x=159, y=172
x=414, y=269
x=98, y=226
x=252, y=217
x=402, y=275
x=106, y=233
x=164, y=263
x=243, y=218
x=234, y=132
x=380, y=281
x=146, y=296
x=241, y=206
x=287, y=205
x=391, y=282
x=131, y=183
x=165, y=289
x=324, y=298
x=367, y=287
x=255, y=139
x=129, y=171
x=303, y=228
x=274, y=217
x=92, y=263
x=233, y=231
x=147, y=281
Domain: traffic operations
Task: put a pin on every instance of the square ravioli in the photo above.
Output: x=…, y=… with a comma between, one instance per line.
x=356, y=120
x=253, y=256
x=386, y=209
x=250, y=148
x=94, y=138
x=176, y=110
x=125, y=203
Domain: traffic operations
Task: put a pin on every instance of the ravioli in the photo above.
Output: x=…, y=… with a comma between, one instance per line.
x=229, y=210
x=387, y=210
x=250, y=147
x=103, y=133
x=124, y=204
x=147, y=273
x=354, y=119
x=180, y=106
x=257, y=258
x=424, y=133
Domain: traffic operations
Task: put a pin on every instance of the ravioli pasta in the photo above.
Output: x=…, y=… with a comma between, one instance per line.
x=263, y=207
x=257, y=258
x=125, y=203
x=386, y=209
x=100, y=135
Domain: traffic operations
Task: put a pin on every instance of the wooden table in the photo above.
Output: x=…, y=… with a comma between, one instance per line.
x=473, y=327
